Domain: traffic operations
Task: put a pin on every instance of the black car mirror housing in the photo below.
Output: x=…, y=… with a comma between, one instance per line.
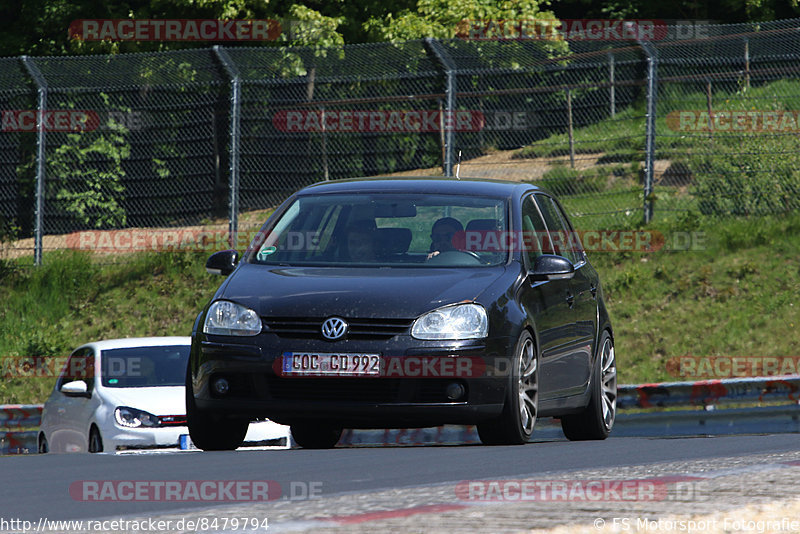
x=552, y=267
x=222, y=262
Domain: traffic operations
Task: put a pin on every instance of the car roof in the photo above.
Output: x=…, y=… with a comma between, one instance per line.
x=421, y=184
x=130, y=342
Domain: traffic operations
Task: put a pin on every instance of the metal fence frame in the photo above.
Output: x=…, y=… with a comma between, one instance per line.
x=459, y=64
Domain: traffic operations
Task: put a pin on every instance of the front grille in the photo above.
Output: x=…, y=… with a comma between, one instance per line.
x=304, y=327
x=172, y=420
x=381, y=390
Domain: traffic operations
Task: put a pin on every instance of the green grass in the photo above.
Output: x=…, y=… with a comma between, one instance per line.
x=622, y=138
x=73, y=299
x=735, y=297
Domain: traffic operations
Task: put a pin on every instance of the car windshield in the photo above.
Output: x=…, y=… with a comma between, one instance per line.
x=144, y=366
x=385, y=230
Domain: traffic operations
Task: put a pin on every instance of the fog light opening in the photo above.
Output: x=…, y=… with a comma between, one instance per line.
x=221, y=386
x=454, y=391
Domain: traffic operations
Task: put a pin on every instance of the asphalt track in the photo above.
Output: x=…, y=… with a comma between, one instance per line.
x=37, y=486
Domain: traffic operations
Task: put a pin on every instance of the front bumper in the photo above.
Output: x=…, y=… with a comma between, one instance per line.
x=412, y=391
x=143, y=438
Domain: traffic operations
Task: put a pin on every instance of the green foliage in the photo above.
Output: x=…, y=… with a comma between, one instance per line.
x=86, y=173
x=311, y=28
x=444, y=18
x=719, y=11
x=761, y=176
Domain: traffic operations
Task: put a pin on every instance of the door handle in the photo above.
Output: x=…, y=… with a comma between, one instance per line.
x=570, y=299
x=593, y=289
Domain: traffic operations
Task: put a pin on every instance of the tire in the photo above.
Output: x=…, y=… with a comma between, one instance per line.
x=515, y=425
x=44, y=447
x=597, y=420
x=316, y=436
x=208, y=431
x=95, y=440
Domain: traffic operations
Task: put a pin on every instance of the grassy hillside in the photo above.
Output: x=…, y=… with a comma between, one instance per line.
x=736, y=297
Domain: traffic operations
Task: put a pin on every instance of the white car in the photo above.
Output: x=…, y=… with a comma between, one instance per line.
x=123, y=394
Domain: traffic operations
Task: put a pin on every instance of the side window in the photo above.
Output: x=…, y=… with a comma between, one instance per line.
x=79, y=366
x=560, y=235
x=534, y=232
x=574, y=241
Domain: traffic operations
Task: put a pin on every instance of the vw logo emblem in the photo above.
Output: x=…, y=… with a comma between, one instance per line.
x=334, y=328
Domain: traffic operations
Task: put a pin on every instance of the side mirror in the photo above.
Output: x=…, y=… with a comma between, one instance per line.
x=76, y=388
x=551, y=267
x=222, y=262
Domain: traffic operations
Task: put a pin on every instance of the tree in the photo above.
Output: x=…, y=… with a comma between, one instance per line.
x=446, y=18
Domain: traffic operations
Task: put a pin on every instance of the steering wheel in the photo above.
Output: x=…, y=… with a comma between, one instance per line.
x=456, y=257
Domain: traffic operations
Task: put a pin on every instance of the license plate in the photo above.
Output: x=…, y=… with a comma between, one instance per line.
x=330, y=364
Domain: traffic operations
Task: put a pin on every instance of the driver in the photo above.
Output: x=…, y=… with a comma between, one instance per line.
x=360, y=242
x=442, y=235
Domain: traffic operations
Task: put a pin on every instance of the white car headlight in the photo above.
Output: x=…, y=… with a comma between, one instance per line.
x=458, y=321
x=227, y=318
x=133, y=418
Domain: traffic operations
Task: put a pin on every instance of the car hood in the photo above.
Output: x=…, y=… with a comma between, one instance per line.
x=159, y=400
x=354, y=292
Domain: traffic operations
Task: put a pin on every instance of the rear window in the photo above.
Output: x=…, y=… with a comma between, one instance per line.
x=385, y=230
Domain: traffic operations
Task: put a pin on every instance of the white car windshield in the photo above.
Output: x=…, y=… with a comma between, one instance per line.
x=386, y=230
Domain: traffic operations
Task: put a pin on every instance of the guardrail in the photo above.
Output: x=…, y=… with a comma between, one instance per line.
x=17, y=428
x=709, y=393
x=700, y=415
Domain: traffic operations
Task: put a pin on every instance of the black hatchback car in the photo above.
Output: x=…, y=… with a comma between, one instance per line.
x=391, y=303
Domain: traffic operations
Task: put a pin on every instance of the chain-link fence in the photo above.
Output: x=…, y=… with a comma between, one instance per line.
x=694, y=119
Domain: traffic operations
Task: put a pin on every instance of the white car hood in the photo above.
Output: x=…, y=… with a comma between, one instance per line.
x=160, y=400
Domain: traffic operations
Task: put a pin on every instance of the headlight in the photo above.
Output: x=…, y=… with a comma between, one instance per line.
x=133, y=418
x=230, y=319
x=459, y=321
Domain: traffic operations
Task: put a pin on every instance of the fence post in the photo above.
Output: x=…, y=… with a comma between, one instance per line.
x=233, y=74
x=650, y=128
x=746, y=63
x=41, y=105
x=450, y=78
x=710, y=108
x=612, y=90
x=569, y=129
x=325, y=171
